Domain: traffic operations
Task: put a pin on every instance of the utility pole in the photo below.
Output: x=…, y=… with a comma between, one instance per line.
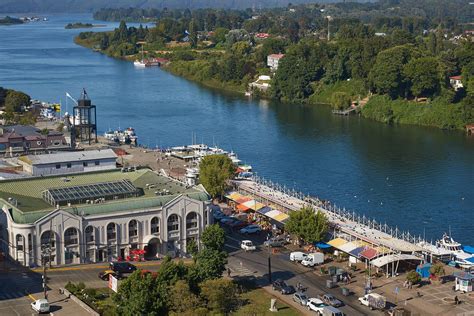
x=329, y=29
x=46, y=255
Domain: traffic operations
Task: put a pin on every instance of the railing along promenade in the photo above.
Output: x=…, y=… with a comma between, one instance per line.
x=355, y=226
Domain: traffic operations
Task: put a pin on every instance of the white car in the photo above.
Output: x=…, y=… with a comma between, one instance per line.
x=247, y=245
x=251, y=229
x=315, y=305
x=40, y=306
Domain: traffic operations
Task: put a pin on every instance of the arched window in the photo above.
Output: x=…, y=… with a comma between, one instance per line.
x=19, y=242
x=191, y=220
x=71, y=237
x=155, y=225
x=48, y=238
x=133, y=228
x=89, y=231
x=173, y=223
x=111, y=231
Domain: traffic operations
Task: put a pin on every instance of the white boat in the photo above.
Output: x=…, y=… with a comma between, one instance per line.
x=462, y=258
x=139, y=63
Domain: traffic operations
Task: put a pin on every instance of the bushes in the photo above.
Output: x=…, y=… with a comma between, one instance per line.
x=413, y=277
x=437, y=113
x=340, y=100
x=324, y=92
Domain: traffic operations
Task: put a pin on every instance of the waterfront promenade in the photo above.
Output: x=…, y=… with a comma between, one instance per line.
x=354, y=227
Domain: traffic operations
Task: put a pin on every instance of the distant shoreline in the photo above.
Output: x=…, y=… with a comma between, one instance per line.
x=79, y=25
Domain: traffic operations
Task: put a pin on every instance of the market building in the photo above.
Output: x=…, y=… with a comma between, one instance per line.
x=99, y=216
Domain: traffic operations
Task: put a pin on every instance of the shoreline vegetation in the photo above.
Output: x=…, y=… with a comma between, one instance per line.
x=79, y=25
x=8, y=20
x=395, y=70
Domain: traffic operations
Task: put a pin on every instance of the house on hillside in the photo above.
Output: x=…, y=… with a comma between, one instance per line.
x=455, y=82
x=273, y=60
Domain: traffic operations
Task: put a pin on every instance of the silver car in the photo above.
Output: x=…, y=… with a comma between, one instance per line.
x=301, y=298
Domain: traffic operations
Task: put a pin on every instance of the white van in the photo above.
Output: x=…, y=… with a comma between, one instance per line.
x=298, y=256
x=40, y=306
x=313, y=259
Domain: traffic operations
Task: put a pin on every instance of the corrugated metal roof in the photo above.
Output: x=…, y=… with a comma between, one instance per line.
x=72, y=156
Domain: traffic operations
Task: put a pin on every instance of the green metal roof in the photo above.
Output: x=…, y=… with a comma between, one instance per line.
x=31, y=206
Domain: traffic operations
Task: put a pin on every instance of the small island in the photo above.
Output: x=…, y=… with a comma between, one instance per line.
x=8, y=20
x=79, y=25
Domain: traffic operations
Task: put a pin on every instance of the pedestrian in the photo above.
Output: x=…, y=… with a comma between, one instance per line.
x=228, y=272
x=456, y=300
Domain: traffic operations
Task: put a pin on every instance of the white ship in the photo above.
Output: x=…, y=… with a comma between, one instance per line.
x=462, y=258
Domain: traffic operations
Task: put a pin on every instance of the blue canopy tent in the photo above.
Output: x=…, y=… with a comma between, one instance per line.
x=322, y=245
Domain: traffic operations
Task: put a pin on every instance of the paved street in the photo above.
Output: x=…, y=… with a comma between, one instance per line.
x=256, y=264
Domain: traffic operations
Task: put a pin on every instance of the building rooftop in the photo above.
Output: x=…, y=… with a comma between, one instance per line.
x=69, y=156
x=24, y=197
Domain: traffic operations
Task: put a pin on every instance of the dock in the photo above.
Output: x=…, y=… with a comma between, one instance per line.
x=344, y=223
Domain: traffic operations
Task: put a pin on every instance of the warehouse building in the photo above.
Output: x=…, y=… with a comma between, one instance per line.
x=99, y=216
x=69, y=162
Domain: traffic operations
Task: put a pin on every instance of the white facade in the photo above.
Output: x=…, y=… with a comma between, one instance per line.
x=105, y=237
x=273, y=60
x=69, y=162
x=456, y=82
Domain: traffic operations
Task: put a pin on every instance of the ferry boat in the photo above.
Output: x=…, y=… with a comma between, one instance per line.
x=462, y=258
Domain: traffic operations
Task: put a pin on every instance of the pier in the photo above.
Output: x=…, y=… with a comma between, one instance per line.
x=344, y=223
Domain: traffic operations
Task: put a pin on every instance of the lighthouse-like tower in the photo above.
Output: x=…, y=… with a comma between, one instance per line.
x=84, y=120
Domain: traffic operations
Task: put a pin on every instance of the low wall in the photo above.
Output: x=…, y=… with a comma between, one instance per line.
x=89, y=309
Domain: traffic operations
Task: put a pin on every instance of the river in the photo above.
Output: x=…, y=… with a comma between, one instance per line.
x=419, y=179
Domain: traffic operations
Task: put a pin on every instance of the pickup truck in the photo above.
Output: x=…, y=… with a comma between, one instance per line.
x=373, y=300
x=247, y=245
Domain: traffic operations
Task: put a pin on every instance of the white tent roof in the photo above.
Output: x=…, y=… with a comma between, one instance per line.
x=381, y=261
x=348, y=247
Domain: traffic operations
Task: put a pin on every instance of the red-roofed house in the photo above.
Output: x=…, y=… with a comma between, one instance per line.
x=273, y=60
x=455, y=82
x=262, y=35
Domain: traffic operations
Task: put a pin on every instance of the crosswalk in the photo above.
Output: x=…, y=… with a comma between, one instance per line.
x=12, y=287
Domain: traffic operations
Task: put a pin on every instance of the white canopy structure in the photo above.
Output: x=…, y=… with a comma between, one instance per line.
x=382, y=261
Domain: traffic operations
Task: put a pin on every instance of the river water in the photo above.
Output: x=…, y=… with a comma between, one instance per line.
x=419, y=179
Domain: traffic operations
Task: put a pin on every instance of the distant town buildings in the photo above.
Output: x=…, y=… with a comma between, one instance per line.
x=455, y=82
x=273, y=60
x=68, y=162
x=21, y=139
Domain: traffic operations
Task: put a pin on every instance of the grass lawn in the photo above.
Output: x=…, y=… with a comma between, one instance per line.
x=258, y=303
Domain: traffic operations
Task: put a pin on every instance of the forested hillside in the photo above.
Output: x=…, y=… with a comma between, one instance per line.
x=51, y=6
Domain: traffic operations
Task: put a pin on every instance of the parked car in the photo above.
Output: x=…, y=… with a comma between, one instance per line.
x=105, y=275
x=218, y=215
x=122, y=267
x=228, y=219
x=280, y=285
x=251, y=229
x=331, y=311
x=40, y=306
x=273, y=243
x=329, y=299
x=238, y=224
x=247, y=245
x=298, y=256
x=301, y=298
x=315, y=305
x=373, y=300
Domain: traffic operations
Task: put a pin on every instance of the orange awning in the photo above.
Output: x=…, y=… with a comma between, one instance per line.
x=242, y=207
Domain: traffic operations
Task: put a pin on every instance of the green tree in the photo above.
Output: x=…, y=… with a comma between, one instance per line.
x=241, y=49
x=386, y=76
x=215, y=171
x=423, y=74
x=468, y=78
x=220, y=35
x=340, y=100
x=437, y=270
x=193, y=33
x=307, y=224
x=15, y=100
x=182, y=299
x=210, y=264
x=220, y=295
x=141, y=294
x=213, y=237
x=413, y=277
x=192, y=247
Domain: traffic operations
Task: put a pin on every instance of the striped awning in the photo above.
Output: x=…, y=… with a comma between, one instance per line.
x=233, y=196
x=337, y=242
